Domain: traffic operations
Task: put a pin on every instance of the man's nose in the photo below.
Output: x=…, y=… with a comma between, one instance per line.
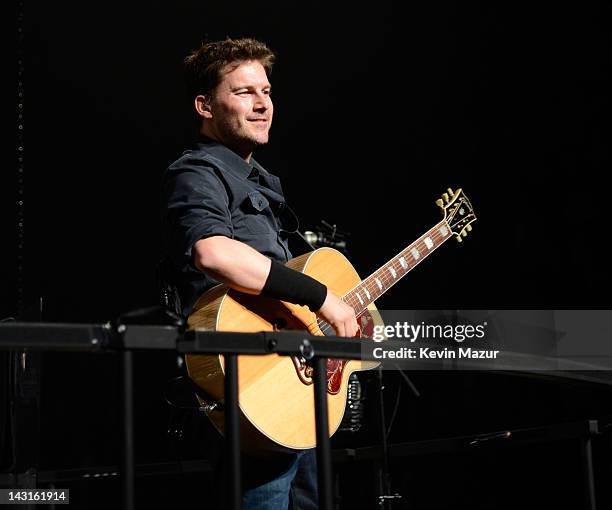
x=262, y=102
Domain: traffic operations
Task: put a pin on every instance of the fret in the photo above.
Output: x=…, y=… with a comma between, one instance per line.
x=374, y=286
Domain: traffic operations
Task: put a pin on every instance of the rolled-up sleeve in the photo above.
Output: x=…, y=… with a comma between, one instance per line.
x=196, y=204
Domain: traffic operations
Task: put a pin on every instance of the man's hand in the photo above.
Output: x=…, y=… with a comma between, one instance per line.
x=340, y=315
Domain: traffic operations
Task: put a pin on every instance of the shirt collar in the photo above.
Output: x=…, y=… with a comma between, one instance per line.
x=235, y=164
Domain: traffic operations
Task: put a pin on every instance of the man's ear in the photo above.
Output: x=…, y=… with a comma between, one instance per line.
x=202, y=106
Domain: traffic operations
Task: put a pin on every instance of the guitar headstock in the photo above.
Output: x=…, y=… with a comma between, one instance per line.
x=458, y=212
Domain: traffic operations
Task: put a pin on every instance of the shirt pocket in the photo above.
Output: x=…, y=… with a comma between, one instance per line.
x=256, y=218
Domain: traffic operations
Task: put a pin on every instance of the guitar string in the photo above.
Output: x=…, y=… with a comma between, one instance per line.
x=432, y=232
x=382, y=272
x=325, y=327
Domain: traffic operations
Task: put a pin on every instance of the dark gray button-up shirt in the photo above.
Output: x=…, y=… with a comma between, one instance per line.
x=208, y=191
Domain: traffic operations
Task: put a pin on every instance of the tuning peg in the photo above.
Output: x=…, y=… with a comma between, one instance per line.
x=464, y=233
x=450, y=192
x=445, y=197
x=439, y=202
x=459, y=239
x=468, y=228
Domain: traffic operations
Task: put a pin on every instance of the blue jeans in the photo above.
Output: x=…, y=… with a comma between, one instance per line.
x=279, y=484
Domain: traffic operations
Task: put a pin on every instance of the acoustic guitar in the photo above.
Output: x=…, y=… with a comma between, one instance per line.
x=276, y=396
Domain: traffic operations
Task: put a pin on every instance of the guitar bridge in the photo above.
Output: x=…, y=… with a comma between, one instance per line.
x=305, y=372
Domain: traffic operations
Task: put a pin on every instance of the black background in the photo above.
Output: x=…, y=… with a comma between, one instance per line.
x=378, y=109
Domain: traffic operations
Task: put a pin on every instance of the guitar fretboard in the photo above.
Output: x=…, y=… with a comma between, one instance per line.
x=395, y=269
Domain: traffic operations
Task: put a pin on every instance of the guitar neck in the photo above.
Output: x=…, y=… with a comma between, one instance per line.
x=381, y=280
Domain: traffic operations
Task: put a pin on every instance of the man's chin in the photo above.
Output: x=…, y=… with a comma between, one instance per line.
x=259, y=136
x=247, y=144
x=260, y=140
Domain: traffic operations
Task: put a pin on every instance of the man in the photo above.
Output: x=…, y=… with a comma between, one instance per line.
x=224, y=223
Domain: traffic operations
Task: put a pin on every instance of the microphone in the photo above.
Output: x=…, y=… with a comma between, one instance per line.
x=327, y=235
x=319, y=240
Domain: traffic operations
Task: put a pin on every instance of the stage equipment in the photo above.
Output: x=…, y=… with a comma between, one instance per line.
x=127, y=338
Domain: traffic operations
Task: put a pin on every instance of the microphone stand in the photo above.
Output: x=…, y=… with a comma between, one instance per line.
x=384, y=477
x=386, y=497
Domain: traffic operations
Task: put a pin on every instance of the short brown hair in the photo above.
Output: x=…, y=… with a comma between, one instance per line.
x=203, y=66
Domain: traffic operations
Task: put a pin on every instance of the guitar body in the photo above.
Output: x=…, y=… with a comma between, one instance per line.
x=276, y=393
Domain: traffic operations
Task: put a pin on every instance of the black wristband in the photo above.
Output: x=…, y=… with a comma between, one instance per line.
x=289, y=285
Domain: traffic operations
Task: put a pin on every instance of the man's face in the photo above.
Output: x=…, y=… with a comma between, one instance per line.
x=241, y=108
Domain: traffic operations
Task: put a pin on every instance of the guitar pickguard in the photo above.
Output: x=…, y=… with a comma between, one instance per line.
x=335, y=367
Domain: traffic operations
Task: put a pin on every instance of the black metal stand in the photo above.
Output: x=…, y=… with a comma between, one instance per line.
x=85, y=337
x=232, y=433
x=128, y=429
x=589, y=474
x=582, y=431
x=384, y=485
x=324, y=470
x=317, y=349
x=127, y=338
